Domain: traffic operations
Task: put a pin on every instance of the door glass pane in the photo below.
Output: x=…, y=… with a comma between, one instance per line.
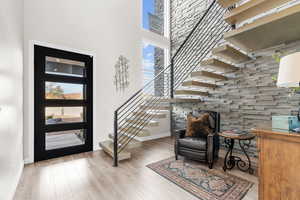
x=61, y=139
x=153, y=16
x=60, y=115
x=56, y=90
x=59, y=66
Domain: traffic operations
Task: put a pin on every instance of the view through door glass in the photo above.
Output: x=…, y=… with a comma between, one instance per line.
x=63, y=103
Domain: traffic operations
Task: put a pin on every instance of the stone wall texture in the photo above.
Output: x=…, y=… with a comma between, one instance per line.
x=184, y=15
x=250, y=96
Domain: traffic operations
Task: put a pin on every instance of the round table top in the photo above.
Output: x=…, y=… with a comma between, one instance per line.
x=248, y=136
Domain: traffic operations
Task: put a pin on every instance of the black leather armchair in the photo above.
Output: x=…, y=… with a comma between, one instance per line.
x=205, y=148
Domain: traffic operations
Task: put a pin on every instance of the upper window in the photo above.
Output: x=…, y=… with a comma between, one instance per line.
x=154, y=16
x=153, y=64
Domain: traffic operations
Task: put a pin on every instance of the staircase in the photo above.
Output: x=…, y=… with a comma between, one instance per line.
x=222, y=40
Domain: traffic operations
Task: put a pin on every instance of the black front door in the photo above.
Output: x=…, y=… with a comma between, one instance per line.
x=63, y=103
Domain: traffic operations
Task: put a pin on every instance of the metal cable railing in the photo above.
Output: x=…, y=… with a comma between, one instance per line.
x=202, y=39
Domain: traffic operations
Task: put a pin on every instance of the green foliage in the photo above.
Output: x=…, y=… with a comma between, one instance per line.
x=277, y=57
x=50, y=117
x=55, y=91
x=274, y=78
x=295, y=89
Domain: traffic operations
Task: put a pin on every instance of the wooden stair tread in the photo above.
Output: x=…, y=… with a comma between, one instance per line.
x=132, y=144
x=151, y=123
x=227, y=3
x=231, y=54
x=111, y=136
x=107, y=147
x=251, y=9
x=208, y=75
x=191, y=92
x=155, y=107
x=199, y=84
x=218, y=65
x=153, y=114
x=267, y=31
x=126, y=127
x=131, y=130
x=182, y=100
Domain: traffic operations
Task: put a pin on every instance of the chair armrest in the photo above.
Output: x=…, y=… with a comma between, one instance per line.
x=180, y=133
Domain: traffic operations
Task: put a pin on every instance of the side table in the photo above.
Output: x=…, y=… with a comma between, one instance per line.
x=232, y=160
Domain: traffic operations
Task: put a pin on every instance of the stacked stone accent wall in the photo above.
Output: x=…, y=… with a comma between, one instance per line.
x=250, y=96
x=184, y=16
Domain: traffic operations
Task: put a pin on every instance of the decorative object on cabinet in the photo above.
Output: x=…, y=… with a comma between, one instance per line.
x=289, y=71
x=289, y=77
x=285, y=122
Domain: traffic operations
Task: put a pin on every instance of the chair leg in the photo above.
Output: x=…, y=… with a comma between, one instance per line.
x=210, y=165
x=176, y=152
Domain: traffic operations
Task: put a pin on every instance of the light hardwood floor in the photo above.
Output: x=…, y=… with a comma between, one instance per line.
x=90, y=176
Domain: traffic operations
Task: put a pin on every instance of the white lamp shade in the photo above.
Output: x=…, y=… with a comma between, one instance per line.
x=289, y=71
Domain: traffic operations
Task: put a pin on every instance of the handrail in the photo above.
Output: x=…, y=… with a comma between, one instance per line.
x=193, y=30
x=140, y=90
x=173, y=57
x=175, y=73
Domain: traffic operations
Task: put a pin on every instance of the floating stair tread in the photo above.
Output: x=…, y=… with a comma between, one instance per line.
x=231, y=54
x=185, y=100
x=151, y=123
x=198, y=84
x=208, y=75
x=251, y=9
x=111, y=136
x=227, y=3
x=129, y=126
x=191, y=92
x=135, y=132
x=153, y=114
x=107, y=147
x=132, y=144
x=155, y=107
x=268, y=31
x=132, y=129
x=182, y=100
x=138, y=134
x=218, y=65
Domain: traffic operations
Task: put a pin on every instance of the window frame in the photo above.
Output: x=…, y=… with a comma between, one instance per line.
x=161, y=41
x=167, y=11
x=40, y=103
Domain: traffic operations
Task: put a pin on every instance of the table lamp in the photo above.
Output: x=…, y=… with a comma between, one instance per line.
x=289, y=73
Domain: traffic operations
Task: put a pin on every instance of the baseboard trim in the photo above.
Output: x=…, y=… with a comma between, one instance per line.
x=15, y=185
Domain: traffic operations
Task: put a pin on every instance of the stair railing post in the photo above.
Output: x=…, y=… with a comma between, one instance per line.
x=171, y=95
x=115, y=153
x=172, y=79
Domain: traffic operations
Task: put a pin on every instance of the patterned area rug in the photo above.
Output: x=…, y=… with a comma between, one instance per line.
x=200, y=181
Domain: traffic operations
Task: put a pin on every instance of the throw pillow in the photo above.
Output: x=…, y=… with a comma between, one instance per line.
x=198, y=126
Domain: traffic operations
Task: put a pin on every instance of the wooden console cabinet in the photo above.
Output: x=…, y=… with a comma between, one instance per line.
x=279, y=164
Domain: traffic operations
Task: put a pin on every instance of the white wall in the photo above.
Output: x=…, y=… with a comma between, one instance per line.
x=11, y=98
x=106, y=29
